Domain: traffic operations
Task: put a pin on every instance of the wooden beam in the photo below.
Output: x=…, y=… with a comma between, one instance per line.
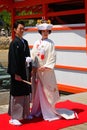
x=29, y=16
x=69, y=28
x=25, y=3
x=5, y=2
x=73, y=48
x=71, y=89
x=69, y=12
x=73, y=68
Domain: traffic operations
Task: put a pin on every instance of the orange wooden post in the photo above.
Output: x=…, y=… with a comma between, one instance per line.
x=44, y=10
x=86, y=22
x=12, y=20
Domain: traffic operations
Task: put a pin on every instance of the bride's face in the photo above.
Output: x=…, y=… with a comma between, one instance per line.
x=45, y=34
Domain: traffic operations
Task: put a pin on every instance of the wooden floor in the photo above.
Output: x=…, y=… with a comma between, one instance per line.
x=81, y=98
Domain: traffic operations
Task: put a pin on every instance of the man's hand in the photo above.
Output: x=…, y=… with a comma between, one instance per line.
x=18, y=78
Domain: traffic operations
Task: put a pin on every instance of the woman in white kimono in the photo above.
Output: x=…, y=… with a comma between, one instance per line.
x=45, y=91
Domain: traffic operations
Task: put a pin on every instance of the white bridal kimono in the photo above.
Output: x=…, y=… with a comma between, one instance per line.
x=44, y=86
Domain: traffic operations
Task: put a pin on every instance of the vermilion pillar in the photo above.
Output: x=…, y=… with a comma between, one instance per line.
x=86, y=21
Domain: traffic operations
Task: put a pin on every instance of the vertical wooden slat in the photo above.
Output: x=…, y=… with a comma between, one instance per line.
x=12, y=19
x=45, y=9
x=86, y=21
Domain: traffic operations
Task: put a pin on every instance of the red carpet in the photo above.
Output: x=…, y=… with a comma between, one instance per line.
x=40, y=124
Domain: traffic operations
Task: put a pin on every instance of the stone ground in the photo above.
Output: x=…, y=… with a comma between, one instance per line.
x=4, y=57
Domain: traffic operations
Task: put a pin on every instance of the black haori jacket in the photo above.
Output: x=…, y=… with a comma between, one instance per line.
x=18, y=51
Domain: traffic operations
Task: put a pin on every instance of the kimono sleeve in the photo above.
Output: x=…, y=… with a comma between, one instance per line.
x=34, y=52
x=51, y=60
x=12, y=61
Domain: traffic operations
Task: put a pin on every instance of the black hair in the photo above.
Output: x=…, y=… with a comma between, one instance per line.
x=40, y=31
x=17, y=23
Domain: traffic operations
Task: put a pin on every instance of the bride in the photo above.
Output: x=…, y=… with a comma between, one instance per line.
x=45, y=91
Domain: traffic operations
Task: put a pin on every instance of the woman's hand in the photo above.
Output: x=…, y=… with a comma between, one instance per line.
x=42, y=68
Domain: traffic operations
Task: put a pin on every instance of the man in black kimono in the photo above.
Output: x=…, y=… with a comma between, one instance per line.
x=19, y=91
